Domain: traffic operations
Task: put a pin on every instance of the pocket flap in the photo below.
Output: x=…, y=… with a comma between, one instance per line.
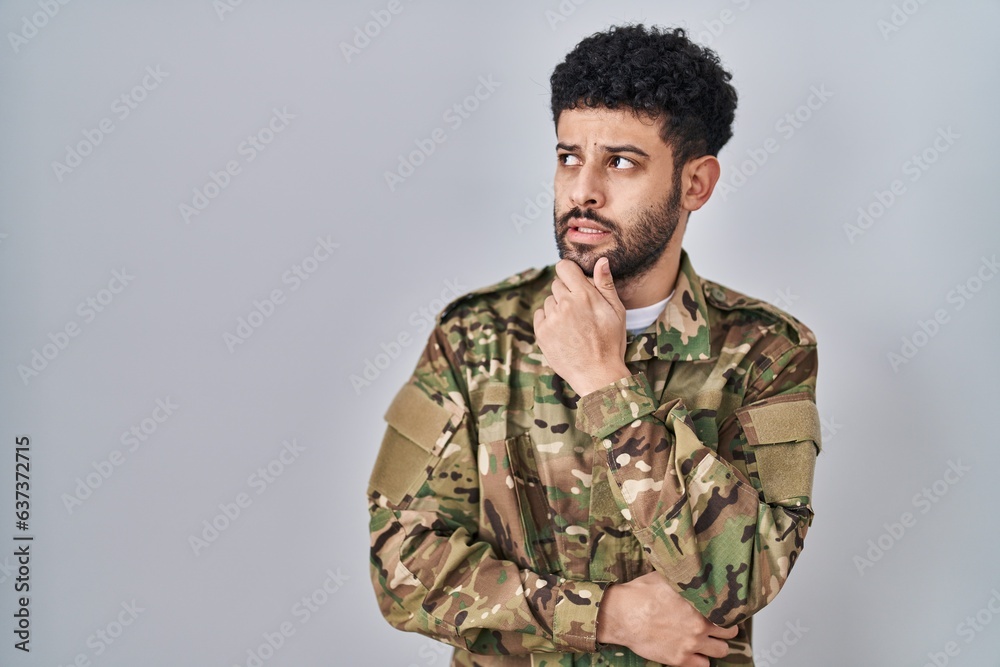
x=786, y=418
x=416, y=416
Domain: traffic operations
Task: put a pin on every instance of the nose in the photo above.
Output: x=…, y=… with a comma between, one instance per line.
x=586, y=190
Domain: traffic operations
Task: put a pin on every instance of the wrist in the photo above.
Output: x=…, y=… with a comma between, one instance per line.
x=601, y=378
x=608, y=615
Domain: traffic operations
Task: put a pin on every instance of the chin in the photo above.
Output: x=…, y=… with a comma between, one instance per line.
x=587, y=267
x=585, y=260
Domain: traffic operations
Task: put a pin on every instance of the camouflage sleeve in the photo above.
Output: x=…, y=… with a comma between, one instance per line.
x=431, y=571
x=727, y=542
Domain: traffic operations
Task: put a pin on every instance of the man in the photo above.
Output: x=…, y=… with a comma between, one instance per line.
x=608, y=460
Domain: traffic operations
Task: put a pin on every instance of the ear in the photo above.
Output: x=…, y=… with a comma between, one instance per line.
x=698, y=179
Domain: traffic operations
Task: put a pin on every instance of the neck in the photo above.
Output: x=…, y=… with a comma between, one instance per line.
x=655, y=284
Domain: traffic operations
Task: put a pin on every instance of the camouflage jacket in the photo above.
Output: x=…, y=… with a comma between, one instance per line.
x=502, y=504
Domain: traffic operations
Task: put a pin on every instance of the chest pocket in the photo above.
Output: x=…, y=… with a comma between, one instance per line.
x=515, y=504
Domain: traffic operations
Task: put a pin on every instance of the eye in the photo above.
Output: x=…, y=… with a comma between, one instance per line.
x=568, y=159
x=620, y=162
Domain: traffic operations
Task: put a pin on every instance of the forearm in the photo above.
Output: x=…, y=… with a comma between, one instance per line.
x=703, y=525
x=455, y=589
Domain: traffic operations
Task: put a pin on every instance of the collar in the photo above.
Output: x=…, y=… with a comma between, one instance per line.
x=635, y=316
x=681, y=332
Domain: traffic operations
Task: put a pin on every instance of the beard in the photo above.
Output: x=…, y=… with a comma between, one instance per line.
x=638, y=244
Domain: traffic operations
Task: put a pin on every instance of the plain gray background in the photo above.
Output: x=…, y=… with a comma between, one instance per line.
x=896, y=78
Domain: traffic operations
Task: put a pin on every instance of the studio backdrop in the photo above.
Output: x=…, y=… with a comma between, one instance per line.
x=226, y=227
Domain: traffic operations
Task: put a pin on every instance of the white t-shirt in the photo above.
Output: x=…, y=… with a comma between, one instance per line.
x=638, y=319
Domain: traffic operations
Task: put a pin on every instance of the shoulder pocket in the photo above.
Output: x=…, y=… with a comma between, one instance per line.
x=418, y=430
x=783, y=433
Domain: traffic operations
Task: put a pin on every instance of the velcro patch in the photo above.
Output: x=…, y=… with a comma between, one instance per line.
x=418, y=428
x=415, y=415
x=784, y=434
x=786, y=418
x=401, y=467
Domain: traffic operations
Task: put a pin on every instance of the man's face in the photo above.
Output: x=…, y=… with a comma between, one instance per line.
x=614, y=177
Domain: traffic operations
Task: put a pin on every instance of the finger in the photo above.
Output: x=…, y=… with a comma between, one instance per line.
x=696, y=661
x=715, y=648
x=549, y=305
x=559, y=290
x=572, y=275
x=723, y=633
x=538, y=317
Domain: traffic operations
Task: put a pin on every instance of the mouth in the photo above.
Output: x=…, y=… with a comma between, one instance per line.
x=586, y=231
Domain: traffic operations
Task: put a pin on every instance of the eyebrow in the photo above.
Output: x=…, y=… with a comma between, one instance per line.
x=624, y=148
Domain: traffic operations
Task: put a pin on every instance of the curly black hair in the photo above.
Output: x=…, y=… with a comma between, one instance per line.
x=657, y=73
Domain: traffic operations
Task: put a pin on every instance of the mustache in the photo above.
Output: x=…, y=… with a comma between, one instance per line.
x=587, y=214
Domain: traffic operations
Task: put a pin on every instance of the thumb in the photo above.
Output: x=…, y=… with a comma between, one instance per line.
x=604, y=282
